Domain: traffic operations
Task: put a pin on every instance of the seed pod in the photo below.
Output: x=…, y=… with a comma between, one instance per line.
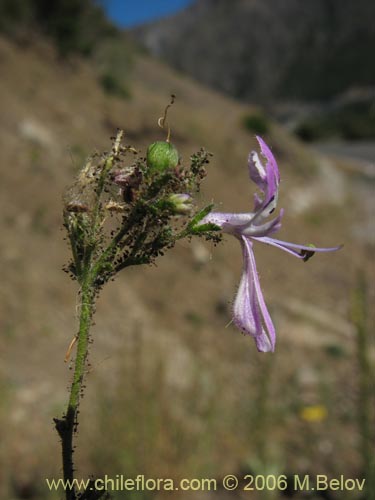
x=162, y=155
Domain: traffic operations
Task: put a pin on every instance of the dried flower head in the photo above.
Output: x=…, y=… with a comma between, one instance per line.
x=123, y=211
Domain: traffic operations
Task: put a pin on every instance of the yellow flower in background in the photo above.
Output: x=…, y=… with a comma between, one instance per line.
x=313, y=413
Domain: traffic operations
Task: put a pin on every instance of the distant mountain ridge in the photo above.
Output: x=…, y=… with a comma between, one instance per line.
x=253, y=49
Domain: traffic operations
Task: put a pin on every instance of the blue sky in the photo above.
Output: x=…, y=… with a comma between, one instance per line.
x=126, y=13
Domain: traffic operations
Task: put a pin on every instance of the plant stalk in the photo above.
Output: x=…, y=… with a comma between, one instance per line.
x=67, y=425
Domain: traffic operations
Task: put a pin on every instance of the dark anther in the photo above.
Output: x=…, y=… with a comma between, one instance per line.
x=306, y=254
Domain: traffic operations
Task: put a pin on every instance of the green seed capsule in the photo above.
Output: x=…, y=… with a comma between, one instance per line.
x=162, y=155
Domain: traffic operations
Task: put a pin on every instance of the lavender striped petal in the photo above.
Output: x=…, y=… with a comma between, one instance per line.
x=289, y=247
x=270, y=334
x=249, y=311
x=227, y=221
x=245, y=313
x=267, y=153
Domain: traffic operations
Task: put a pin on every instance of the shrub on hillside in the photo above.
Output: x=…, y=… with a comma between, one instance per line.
x=256, y=122
x=73, y=25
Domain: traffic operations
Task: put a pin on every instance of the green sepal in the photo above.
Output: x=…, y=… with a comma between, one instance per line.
x=205, y=228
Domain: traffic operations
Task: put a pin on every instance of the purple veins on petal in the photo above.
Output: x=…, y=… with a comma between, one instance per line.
x=250, y=313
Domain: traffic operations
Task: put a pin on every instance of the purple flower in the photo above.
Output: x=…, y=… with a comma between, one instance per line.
x=250, y=313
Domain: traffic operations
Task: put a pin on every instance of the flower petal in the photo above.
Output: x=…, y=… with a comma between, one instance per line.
x=258, y=202
x=269, y=328
x=245, y=313
x=267, y=178
x=229, y=223
x=293, y=247
x=267, y=153
x=272, y=176
x=257, y=172
x=250, y=313
x=259, y=230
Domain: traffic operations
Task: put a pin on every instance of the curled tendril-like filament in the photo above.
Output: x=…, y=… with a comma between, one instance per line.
x=162, y=120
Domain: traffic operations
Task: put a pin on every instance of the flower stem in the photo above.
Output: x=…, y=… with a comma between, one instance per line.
x=66, y=426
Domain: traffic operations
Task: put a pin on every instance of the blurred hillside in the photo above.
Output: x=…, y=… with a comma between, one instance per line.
x=307, y=63
x=262, y=49
x=74, y=26
x=171, y=390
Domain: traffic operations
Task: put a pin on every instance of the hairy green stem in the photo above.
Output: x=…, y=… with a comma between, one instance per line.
x=87, y=304
x=67, y=425
x=87, y=275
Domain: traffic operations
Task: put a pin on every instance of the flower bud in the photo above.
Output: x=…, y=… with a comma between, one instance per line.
x=162, y=155
x=182, y=203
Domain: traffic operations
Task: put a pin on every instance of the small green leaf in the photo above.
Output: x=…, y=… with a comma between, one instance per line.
x=199, y=216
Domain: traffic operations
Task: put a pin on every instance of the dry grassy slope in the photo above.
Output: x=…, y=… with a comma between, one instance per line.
x=52, y=115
